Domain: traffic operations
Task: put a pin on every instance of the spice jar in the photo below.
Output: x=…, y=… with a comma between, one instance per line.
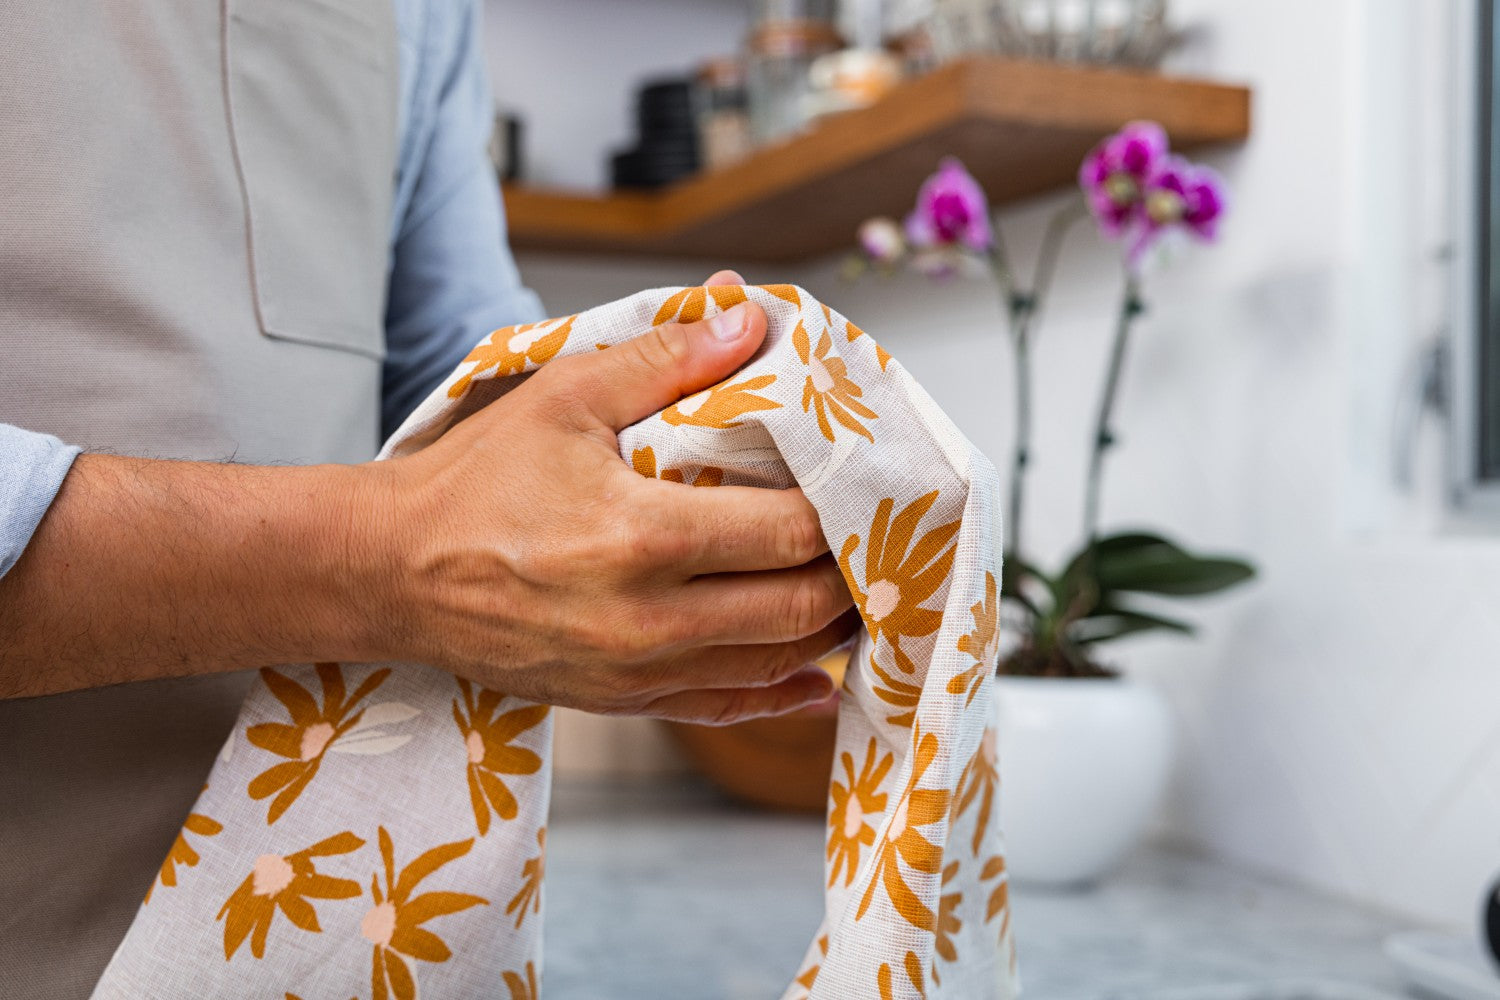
x=781, y=53
x=723, y=112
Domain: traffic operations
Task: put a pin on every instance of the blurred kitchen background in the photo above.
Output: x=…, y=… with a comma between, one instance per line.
x=1310, y=393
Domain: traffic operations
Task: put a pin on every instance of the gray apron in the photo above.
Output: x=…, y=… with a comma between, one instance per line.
x=195, y=203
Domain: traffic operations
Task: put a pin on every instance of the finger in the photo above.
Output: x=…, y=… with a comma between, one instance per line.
x=733, y=529
x=724, y=707
x=773, y=606
x=724, y=278
x=635, y=379
x=717, y=667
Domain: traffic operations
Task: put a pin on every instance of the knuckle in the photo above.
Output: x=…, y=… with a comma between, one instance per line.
x=806, y=604
x=801, y=536
x=663, y=348
x=735, y=707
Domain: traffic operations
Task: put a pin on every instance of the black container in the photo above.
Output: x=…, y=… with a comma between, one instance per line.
x=668, y=149
x=1492, y=922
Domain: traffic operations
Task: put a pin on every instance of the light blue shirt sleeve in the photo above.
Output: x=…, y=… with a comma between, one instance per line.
x=452, y=279
x=32, y=467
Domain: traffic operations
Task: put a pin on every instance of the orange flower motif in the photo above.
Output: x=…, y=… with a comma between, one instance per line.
x=898, y=581
x=523, y=989
x=393, y=925
x=980, y=778
x=532, y=873
x=898, y=693
x=948, y=922
x=691, y=304
x=852, y=803
x=883, y=977
x=284, y=883
x=182, y=852
x=917, y=807
x=487, y=740
x=983, y=643
x=810, y=975
x=787, y=292
x=999, y=903
x=512, y=349
x=721, y=406
x=311, y=732
x=828, y=389
x=643, y=460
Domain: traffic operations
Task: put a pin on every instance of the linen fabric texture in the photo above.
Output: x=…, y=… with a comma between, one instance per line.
x=379, y=830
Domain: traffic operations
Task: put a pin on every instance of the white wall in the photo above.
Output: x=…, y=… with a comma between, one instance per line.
x=1341, y=717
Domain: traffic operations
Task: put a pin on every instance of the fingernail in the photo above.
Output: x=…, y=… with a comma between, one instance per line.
x=730, y=324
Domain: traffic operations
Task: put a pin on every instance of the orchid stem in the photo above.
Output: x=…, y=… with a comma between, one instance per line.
x=1022, y=310
x=1131, y=306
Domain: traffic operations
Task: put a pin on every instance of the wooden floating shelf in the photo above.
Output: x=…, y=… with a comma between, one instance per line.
x=1021, y=127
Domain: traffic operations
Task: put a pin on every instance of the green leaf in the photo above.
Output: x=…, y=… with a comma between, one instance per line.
x=1171, y=571
x=1112, y=623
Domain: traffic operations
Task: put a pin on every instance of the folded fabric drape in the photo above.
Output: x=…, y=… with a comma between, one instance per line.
x=380, y=830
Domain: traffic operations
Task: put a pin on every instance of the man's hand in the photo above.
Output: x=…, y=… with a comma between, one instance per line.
x=518, y=550
x=528, y=556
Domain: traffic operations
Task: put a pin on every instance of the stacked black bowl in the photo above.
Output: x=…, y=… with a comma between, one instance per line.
x=667, y=149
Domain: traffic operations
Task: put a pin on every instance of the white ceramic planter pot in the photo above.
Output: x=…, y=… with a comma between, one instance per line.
x=1083, y=764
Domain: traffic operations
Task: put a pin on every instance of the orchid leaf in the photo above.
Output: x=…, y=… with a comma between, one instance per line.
x=1114, y=623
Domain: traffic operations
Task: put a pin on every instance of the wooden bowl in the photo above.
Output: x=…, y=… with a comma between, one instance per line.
x=781, y=763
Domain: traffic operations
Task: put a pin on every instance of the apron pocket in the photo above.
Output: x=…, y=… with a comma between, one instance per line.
x=311, y=97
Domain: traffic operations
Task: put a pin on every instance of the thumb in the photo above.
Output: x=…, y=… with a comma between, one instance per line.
x=635, y=379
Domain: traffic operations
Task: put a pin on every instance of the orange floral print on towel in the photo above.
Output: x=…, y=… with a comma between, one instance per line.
x=999, y=901
x=394, y=925
x=312, y=731
x=691, y=304
x=979, y=779
x=523, y=989
x=810, y=974
x=898, y=693
x=487, y=739
x=948, y=922
x=983, y=643
x=854, y=804
x=532, y=873
x=829, y=391
x=181, y=852
x=722, y=405
x=787, y=293
x=643, y=460
x=513, y=349
x=885, y=979
x=917, y=807
x=897, y=582
x=285, y=884
x=853, y=333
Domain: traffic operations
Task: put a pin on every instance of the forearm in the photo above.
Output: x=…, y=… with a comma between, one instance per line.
x=146, y=569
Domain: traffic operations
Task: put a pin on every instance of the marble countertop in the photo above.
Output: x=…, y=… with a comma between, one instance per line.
x=666, y=890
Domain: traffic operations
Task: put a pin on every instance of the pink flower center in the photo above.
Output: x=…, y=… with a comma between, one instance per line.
x=475, y=744
x=379, y=924
x=272, y=873
x=898, y=823
x=821, y=379
x=315, y=739
x=1122, y=189
x=881, y=599
x=1164, y=207
x=854, y=816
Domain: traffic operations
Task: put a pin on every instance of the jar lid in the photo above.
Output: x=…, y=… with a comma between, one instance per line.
x=791, y=39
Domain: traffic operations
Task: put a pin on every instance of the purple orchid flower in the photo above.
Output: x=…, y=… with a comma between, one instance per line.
x=1179, y=195
x=951, y=211
x=1115, y=173
x=1139, y=192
